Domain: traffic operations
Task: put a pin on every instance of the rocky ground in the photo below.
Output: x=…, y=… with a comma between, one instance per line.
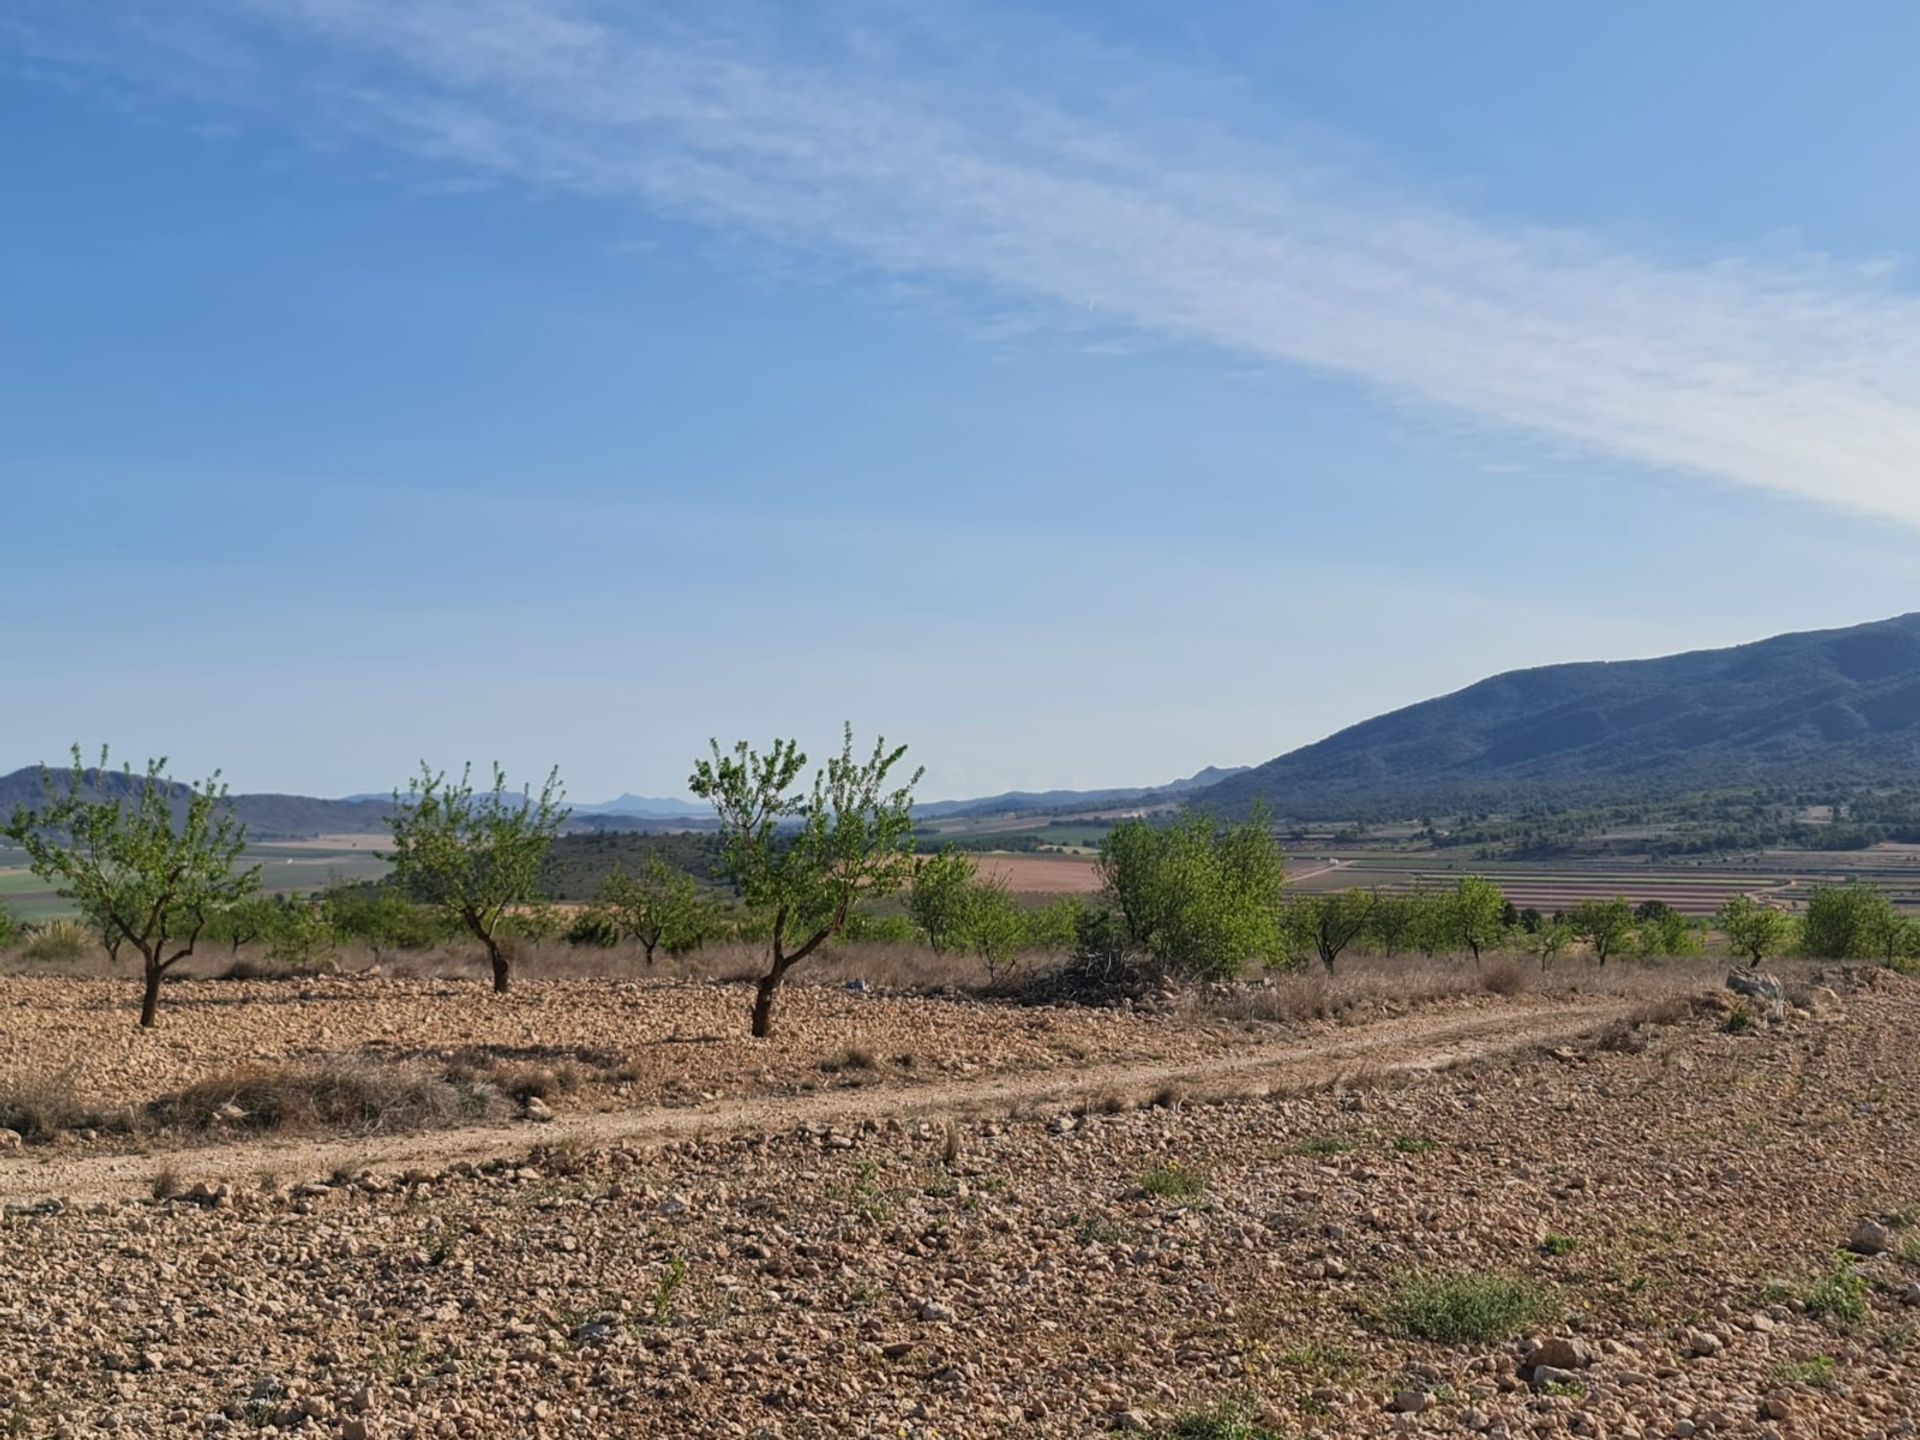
x=1661, y=1212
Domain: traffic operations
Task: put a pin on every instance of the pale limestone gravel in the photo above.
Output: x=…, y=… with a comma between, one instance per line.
x=852, y=1282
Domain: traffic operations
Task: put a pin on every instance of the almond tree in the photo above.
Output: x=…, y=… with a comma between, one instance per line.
x=147, y=859
x=474, y=856
x=659, y=906
x=802, y=860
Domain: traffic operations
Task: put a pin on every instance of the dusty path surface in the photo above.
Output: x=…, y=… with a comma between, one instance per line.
x=1416, y=1042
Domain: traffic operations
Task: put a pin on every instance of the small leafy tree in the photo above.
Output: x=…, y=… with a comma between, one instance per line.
x=1606, y=926
x=244, y=922
x=1843, y=922
x=301, y=934
x=659, y=906
x=1550, y=939
x=1328, y=923
x=996, y=930
x=1476, y=915
x=1664, y=932
x=1200, y=897
x=155, y=859
x=941, y=896
x=474, y=857
x=382, y=919
x=802, y=860
x=1755, y=931
x=1890, y=937
x=1391, y=924
x=11, y=931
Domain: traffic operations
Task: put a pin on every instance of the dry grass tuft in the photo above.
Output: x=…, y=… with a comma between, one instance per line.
x=850, y=1057
x=1505, y=976
x=44, y=1107
x=356, y=1095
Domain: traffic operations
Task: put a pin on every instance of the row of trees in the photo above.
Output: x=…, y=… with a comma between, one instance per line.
x=157, y=867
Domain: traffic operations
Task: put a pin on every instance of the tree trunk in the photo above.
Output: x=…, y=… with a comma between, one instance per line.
x=649, y=944
x=150, y=1002
x=763, y=1004
x=502, y=966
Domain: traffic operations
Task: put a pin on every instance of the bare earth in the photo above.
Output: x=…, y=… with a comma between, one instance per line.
x=966, y=1256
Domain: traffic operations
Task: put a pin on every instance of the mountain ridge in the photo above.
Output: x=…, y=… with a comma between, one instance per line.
x=1840, y=706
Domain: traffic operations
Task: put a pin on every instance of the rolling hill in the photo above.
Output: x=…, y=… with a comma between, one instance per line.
x=267, y=817
x=1825, y=707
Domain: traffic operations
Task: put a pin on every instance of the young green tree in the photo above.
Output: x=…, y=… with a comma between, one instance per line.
x=995, y=928
x=11, y=931
x=382, y=919
x=941, y=896
x=1475, y=914
x=800, y=859
x=1843, y=921
x=659, y=906
x=474, y=856
x=1391, y=925
x=244, y=922
x=1664, y=933
x=155, y=859
x=1328, y=923
x=1200, y=897
x=1550, y=939
x=1606, y=926
x=1755, y=931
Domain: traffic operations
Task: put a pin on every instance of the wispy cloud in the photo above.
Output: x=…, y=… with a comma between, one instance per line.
x=1103, y=187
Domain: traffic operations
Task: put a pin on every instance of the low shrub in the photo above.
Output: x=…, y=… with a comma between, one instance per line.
x=44, y=1107
x=1174, y=1182
x=1505, y=977
x=1229, y=1421
x=1468, y=1308
x=57, y=940
x=594, y=928
x=1839, y=1297
x=360, y=1096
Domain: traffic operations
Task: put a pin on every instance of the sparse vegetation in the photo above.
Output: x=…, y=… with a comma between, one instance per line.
x=1174, y=1181
x=1468, y=1308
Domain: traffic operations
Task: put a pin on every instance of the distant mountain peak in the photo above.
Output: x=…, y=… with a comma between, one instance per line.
x=1839, y=706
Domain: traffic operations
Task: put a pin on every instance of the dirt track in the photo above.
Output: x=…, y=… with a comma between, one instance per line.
x=1418, y=1042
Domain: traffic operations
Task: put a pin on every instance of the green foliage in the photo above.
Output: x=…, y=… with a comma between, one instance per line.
x=301, y=935
x=1605, y=925
x=1475, y=915
x=1055, y=926
x=383, y=919
x=595, y=928
x=1392, y=923
x=1200, y=897
x=668, y=1289
x=12, y=932
x=801, y=860
x=117, y=848
x=1228, y=1421
x=1755, y=931
x=1665, y=933
x=1819, y=1373
x=474, y=857
x=1325, y=924
x=1857, y=922
x=1468, y=1308
x=942, y=896
x=1839, y=1296
x=656, y=905
x=863, y=927
x=1174, y=1181
x=1550, y=940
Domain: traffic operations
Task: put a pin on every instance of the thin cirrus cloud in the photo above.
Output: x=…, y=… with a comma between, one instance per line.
x=926, y=152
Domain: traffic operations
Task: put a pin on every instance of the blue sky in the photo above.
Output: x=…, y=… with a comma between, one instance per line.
x=1080, y=393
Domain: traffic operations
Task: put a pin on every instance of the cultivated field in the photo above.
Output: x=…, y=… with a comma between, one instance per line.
x=1300, y=1207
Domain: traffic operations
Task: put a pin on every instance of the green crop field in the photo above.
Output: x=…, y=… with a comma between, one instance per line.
x=284, y=870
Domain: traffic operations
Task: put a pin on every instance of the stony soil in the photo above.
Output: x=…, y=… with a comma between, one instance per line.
x=1677, y=1191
